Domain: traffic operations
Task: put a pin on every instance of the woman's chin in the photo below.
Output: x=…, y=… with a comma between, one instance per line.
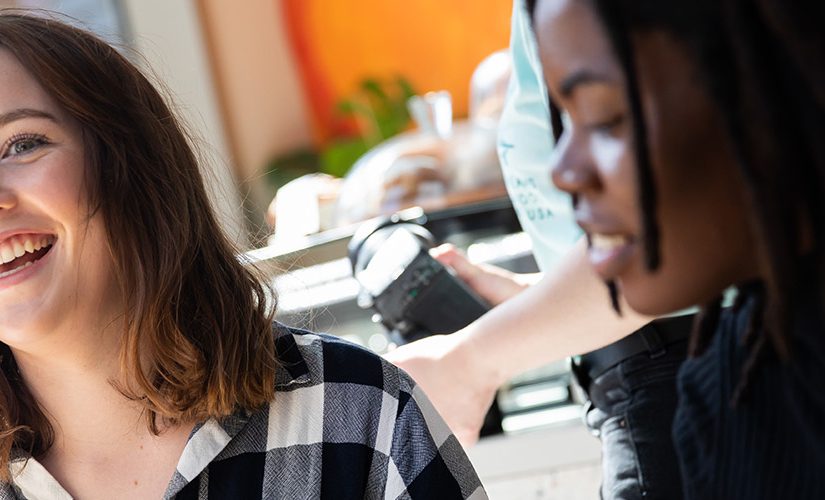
x=650, y=301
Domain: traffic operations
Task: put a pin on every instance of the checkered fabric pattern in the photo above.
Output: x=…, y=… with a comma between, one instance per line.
x=344, y=424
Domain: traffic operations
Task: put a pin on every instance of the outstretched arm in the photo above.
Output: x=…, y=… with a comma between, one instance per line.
x=567, y=312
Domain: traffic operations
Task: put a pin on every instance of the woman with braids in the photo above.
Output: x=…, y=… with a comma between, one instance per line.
x=693, y=152
x=138, y=358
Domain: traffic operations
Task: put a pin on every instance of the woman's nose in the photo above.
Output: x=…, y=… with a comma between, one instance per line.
x=7, y=197
x=572, y=168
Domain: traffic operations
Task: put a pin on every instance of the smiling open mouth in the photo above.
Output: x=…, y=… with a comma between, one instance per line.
x=20, y=252
x=610, y=254
x=608, y=242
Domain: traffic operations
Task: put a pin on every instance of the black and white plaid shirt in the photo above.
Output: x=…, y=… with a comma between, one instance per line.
x=344, y=424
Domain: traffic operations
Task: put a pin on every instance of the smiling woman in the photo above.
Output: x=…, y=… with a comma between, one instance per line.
x=43, y=187
x=138, y=357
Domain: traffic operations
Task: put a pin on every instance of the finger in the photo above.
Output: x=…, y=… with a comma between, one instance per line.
x=444, y=251
x=452, y=257
x=465, y=269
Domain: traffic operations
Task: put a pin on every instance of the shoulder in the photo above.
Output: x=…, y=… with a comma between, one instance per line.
x=334, y=378
x=374, y=425
x=308, y=359
x=778, y=419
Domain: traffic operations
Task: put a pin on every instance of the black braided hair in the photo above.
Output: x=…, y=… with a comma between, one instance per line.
x=756, y=58
x=760, y=60
x=704, y=326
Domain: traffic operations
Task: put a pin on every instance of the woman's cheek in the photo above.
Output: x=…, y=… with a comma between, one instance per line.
x=615, y=163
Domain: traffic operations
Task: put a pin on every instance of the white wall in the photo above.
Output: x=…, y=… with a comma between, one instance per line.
x=168, y=34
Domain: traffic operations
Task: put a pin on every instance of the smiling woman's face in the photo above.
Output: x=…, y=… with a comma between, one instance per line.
x=56, y=271
x=705, y=242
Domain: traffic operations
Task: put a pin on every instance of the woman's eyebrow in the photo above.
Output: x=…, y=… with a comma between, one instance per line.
x=18, y=114
x=579, y=78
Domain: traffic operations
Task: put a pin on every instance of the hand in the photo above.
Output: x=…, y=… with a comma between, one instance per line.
x=457, y=381
x=492, y=283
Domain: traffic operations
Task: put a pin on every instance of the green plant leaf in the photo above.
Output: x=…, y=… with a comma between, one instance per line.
x=379, y=106
x=337, y=158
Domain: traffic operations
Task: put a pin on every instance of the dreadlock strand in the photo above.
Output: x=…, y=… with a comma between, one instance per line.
x=755, y=319
x=616, y=25
x=613, y=290
x=704, y=327
x=751, y=363
x=800, y=28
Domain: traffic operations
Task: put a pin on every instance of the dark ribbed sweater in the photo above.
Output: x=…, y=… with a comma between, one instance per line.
x=772, y=444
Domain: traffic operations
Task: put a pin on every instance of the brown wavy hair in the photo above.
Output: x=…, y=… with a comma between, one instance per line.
x=198, y=337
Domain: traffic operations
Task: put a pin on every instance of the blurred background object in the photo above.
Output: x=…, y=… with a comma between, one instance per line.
x=311, y=85
x=379, y=111
x=304, y=206
x=434, y=44
x=443, y=163
x=104, y=17
x=432, y=47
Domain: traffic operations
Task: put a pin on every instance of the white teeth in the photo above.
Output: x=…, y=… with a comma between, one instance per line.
x=608, y=242
x=6, y=253
x=17, y=246
x=16, y=269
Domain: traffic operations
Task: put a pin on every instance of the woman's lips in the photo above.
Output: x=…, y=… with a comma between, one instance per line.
x=610, y=254
x=22, y=256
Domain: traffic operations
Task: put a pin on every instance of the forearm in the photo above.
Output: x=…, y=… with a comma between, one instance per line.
x=568, y=312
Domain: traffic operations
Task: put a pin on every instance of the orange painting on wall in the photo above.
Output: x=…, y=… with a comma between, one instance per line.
x=435, y=44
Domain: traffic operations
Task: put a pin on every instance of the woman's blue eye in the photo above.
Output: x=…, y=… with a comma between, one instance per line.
x=22, y=145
